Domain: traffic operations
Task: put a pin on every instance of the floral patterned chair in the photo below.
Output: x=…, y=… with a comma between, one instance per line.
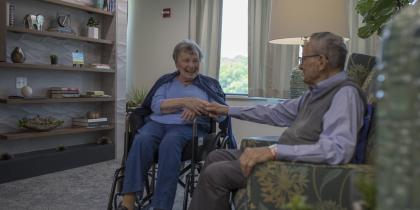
x=273, y=184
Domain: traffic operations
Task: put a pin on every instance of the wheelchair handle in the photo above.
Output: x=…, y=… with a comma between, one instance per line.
x=194, y=139
x=194, y=127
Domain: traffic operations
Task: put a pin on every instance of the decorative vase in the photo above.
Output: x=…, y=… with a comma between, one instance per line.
x=93, y=32
x=17, y=55
x=93, y=115
x=53, y=59
x=297, y=86
x=26, y=91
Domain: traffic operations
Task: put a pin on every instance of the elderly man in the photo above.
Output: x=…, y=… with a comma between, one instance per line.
x=322, y=124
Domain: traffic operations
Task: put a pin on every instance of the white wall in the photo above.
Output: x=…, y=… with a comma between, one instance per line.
x=151, y=39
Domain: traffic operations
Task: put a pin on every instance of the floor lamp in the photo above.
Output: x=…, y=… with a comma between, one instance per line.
x=292, y=22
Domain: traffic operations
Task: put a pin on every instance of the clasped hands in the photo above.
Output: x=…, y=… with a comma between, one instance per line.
x=251, y=156
x=197, y=107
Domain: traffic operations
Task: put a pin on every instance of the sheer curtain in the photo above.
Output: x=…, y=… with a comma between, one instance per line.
x=367, y=46
x=269, y=66
x=205, y=28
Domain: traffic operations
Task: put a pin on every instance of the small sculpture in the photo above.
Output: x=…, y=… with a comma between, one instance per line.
x=62, y=24
x=12, y=9
x=26, y=91
x=40, y=22
x=35, y=22
x=17, y=55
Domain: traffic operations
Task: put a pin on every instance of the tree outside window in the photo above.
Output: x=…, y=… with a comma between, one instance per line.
x=233, y=74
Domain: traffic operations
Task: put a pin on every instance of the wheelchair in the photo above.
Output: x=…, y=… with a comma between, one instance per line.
x=193, y=155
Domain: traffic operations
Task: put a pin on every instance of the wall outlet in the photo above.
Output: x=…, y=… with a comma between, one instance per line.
x=21, y=82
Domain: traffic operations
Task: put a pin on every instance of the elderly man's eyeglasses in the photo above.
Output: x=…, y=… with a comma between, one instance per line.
x=302, y=59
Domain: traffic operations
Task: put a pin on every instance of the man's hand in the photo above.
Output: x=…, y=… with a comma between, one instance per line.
x=196, y=105
x=188, y=115
x=252, y=156
x=215, y=109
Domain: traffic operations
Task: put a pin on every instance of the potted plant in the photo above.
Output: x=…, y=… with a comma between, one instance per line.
x=297, y=202
x=366, y=185
x=93, y=30
x=377, y=13
x=136, y=97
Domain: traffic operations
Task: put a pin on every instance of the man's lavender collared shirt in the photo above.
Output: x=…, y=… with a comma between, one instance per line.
x=341, y=124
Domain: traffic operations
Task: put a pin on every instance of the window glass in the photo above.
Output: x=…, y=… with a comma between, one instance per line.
x=233, y=75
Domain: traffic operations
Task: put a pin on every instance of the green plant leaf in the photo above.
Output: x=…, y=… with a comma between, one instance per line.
x=136, y=96
x=377, y=13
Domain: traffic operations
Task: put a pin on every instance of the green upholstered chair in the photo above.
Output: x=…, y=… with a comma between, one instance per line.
x=273, y=184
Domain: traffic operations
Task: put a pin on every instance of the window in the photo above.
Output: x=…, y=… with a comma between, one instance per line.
x=233, y=74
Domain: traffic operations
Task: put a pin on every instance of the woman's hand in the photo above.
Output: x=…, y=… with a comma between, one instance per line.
x=215, y=109
x=196, y=105
x=188, y=115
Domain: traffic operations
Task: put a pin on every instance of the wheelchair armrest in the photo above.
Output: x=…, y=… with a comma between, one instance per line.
x=135, y=119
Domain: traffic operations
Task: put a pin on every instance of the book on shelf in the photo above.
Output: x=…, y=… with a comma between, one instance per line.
x=64, y=91
x=93, y=96
x=64, y=95
x=95, y=93
x=64, y=88
x=90, y=124
x=110, y=5
x=100, y=66
x=87, y=120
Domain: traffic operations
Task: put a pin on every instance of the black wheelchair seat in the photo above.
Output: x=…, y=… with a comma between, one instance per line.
x=194, y=152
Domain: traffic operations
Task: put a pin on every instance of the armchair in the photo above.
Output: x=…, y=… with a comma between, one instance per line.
x=274, y=183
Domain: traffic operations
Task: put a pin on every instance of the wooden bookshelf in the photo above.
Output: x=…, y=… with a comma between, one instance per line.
x=78, y=6
x=54, y=100
x=55, y=132
x=53, y=67
x=38, y=46
x=3, y=33
x=58, y=35
x=35, y=163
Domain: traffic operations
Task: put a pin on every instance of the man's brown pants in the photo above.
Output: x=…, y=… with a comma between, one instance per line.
x=220, y=176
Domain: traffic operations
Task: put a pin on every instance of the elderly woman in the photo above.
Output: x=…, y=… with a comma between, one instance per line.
x=174, y=101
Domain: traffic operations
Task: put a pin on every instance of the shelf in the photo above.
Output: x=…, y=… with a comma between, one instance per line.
x=77, y=6
x=40, y=162
x=46, y=157
x=55, y=132
x=58, y=35
x=53, y=67
x=53, y=100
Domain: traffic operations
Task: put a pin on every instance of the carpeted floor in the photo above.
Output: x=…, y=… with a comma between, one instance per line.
x=81, y=188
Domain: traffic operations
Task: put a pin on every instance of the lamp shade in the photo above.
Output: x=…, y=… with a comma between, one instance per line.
x=292, y=20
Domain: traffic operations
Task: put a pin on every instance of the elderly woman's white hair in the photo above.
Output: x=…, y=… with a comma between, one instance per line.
x=187, y=45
